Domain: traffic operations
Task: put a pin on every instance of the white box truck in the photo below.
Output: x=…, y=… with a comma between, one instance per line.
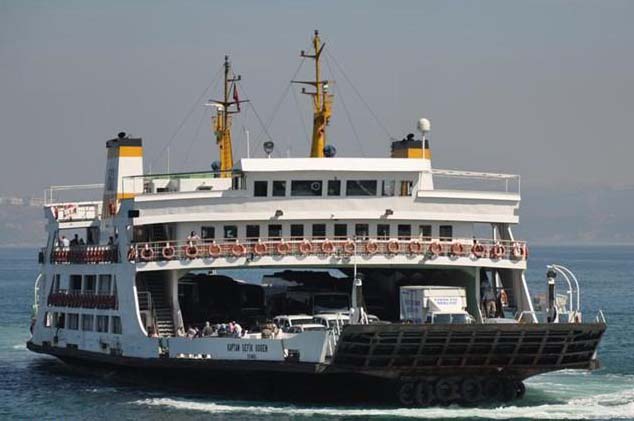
x=434, y=304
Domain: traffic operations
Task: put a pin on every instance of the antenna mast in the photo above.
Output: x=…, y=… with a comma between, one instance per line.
x=322, y=100
x=221, y=122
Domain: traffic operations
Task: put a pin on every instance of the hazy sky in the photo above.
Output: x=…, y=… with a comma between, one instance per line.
x=542, y=89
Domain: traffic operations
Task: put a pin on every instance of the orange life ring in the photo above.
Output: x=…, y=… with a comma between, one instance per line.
x=168, y=252
x=283, y=248
x=349, y=247
x=191, y=251
x=371, y=247
x=435, y=248
x=215, y=250
x=457, y=249
x=415, y=247
x=327, y=247
x=259, y=248
x=147, y=253
x=238, y=250
x=497, y=251
x=478, y=250
x=393, y=246
x=305, y=248
x=518, y=251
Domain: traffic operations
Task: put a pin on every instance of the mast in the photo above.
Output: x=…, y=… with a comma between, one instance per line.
x=322, y=100
x=221, y=122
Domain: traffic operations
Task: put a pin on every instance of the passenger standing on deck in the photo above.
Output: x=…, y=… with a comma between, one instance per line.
x=193, y=238
x=207, y=330
x=75, y=241
x=488, y=298
x=65, y=242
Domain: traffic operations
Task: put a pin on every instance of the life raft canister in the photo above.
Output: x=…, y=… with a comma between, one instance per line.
x=305, y=248
x=435, y=248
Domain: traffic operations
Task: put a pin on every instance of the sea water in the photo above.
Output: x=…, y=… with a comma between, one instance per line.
x=33, y=386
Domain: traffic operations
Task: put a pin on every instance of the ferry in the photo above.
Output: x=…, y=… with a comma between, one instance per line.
x=377, y=279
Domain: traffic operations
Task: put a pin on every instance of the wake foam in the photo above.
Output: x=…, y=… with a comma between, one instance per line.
x=606, y=406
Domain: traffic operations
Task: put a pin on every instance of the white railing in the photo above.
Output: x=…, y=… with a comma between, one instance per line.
x=474, y=181
x=72, y=193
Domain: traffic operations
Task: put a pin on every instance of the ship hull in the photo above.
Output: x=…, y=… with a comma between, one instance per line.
x=404, y=376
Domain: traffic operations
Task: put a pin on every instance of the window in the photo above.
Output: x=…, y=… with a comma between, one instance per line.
x=341, y=230
x=231, y=232
x=56, y=283
x=253, y=231
x=58, y=320
x=319, y=230
x=334, y=187
x=90, y=284
x=87, y=321
x=383, y=231
x=208, y=233
x=260, y=188
x=75, y=283
x=388, y=188
x=279, y=188
x=275, y=232
x=306, y=188
x=115, y=326
x=445, y=232
x=48, y=319
x=404, y=232
x=104, y=284
x=297, y=231
x=361, y=187
x=406, y=188
x=425, y=232
x=362, y=231
x=73, y=321
x=102, y=324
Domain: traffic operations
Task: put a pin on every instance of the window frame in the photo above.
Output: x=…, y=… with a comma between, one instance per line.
x=208, y=232
x=338, y=234
x=296, y=192
x=319, y=237
x=251, y=229
x=333, y=188
x=293, y=233
x=273, y=237
x=226, y=229
x=404, y=236
x=257, y=188
x=275, y=193
x=361, y=192
x=385, y=228
x=442, y=237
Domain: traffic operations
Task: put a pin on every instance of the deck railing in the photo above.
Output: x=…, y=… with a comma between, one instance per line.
x=85, y=254
x=63, y=298
x=366, y=247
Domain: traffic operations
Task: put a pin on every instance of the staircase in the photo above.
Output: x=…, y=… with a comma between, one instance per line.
x=162, y=308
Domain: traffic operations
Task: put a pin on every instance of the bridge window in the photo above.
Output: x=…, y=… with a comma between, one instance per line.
x=362, y=231
x=90, y=284
x=275, y=232
x=319, y=230
x=104, y=284
x=306, y=187
x=56, y=283
x=445, y=232
x=406, y=188
x=297, y=231
x=425, y=232
x=334, y=187
x=87, y=321
x=231, y=232
x=208, y=233
x=102, y=324
x=279, y=188
x=73, y=321
x=361, y=187
x=115, y=326
x=59, y=320
x=388, y=188
x=75, y=283
x=383, y=231
x=260, y=188
x=253, y=232
x=404, y=231
x=341, y=230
